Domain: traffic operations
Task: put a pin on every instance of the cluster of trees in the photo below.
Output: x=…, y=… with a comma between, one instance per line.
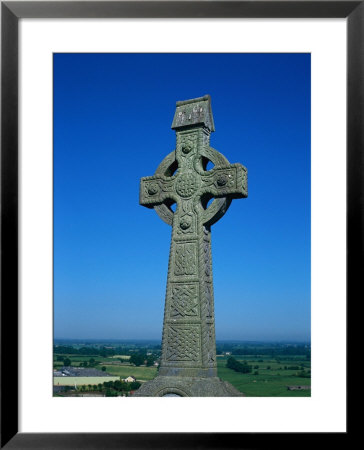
x=102, y=350
x=109, y=388
x=304, y=374
x=136, y=358
x=90, y=363
x=66, y=361
x=271, y=350
x=114, y=388
x=92, y=351
x=139, y=359
x=238, y=366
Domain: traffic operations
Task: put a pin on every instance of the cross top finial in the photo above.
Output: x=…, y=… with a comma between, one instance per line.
x=196, y=111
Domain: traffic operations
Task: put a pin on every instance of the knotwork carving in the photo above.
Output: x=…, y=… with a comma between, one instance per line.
x=206, y=248
x=183, y=343
x=208, y=300
x=211, y=345
x=185, y=262
x=184, y=300
x=188, y=143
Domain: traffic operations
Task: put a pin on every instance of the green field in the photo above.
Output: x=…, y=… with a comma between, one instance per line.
x=79, y=381
x=271, y=372
x=126, y=357
x=140, y=373
x=123, y=370
x=271, y=382
x=77, y=359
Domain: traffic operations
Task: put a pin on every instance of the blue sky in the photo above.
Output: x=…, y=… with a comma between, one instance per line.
x=112, y=119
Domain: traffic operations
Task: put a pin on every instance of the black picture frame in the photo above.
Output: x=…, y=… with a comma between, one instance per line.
x=11, y=12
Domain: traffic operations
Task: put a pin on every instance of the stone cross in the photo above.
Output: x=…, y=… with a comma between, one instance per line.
x=182, y=178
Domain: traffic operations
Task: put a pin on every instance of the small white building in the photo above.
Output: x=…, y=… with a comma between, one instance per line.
x=129, y=379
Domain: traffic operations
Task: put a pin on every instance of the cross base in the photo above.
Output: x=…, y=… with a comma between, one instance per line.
x=187, y=387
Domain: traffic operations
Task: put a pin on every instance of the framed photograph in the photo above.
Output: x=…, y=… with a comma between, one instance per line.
x=87, y=105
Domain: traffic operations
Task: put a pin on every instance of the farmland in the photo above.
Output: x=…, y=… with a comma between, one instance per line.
x=98, y=369
x=140, y=373
x=268, y=378
x=77, y=360
x=272, y=367
x=81, y=381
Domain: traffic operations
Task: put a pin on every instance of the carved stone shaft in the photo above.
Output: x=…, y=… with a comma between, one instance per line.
x=188, y=343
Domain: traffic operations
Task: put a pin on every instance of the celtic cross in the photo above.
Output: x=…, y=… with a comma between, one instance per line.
x=182, y=178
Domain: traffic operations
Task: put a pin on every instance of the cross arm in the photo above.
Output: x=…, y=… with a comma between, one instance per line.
x=230, y=181
x=155, y=190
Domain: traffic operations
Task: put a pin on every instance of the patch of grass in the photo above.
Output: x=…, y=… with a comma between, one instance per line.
x=70, y=381
x=126, y=357
x=271, y=382
x=140, y=373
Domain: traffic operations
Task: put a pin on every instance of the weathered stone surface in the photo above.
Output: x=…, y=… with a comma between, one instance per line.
x=188, y=361
x=163, y=386
x=194, y=112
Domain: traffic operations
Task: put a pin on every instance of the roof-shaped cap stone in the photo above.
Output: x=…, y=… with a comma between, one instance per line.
x=196, y=111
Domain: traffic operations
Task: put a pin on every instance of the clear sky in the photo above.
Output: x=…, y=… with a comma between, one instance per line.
x=112, y=119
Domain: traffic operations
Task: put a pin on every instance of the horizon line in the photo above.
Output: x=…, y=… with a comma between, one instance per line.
x=160, y=340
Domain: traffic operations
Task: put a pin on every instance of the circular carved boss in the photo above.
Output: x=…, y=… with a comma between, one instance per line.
x=185, y=222
x=217, y=208
x=186, y=185
x=222, y=180
x=152, y=188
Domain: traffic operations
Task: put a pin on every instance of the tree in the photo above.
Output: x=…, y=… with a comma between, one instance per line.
x=118, y=385
x=110, y=393
x=67, y=362
x=103, y=368
x=137, y=359
x=238, y=366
